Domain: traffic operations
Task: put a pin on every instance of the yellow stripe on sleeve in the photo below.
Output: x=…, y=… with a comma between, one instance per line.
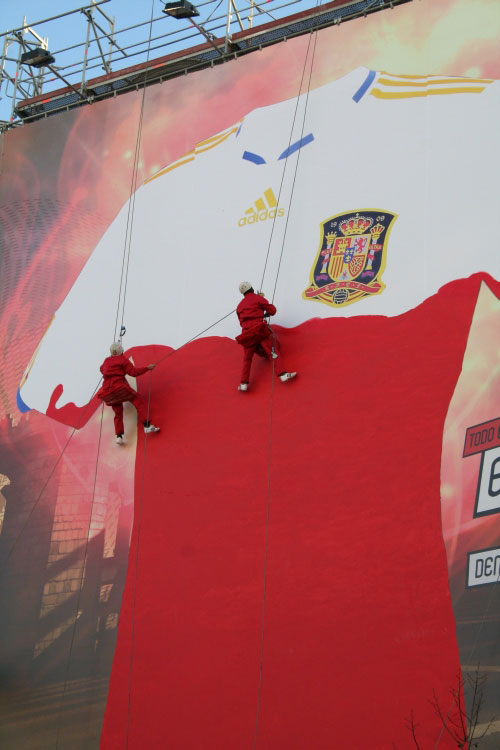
x=430, y=78
x=205, y=145
x=199, y=150
x=431, y=81
x=210, y=140
x=396, y=75
x=220, y=136
x=429, y=92
x=176, y=164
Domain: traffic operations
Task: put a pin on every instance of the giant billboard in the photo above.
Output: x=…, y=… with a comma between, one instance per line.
x=294, y=544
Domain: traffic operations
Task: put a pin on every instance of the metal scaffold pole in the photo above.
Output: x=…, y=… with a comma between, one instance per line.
x=30, y=76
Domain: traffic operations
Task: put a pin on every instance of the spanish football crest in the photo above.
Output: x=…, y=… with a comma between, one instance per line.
x=351, y=257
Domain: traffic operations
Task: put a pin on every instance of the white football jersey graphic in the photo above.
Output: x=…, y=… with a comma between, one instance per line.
x=425, y=149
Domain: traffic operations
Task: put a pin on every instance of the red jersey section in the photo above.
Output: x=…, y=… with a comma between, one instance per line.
x=358, y=627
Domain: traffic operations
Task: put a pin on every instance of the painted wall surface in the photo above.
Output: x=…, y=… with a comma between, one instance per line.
x=287, y=582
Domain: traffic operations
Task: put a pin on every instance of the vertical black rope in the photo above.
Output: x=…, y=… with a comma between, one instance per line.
x=132, y=206
x=128, y=227
x=269, y=465
x=286, y=161
x=123, y=284
x=136, y=568
x=266, y=559
x=82, y=580
x=296, y=164
x=131, y=202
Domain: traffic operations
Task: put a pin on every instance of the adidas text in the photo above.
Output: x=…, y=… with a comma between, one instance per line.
x=261, y=216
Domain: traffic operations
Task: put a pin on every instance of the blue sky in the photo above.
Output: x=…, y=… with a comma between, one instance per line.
x=72, y=29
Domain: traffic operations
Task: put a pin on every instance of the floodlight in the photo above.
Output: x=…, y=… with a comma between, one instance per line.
x=37, y=58
x=180, y=9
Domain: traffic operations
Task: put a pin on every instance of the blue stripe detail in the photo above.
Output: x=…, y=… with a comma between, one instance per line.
x=20, y=403
x=295, y=146
x=364, y=86
x=255, y=158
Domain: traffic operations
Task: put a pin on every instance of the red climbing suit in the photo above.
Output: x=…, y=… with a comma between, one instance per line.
x=115, y=389
x=256, y=336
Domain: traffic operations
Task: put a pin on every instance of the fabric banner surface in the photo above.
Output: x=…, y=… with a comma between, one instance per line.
x=280, y=552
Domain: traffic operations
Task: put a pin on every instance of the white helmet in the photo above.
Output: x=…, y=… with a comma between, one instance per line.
x=245, y=286
x=116, y=348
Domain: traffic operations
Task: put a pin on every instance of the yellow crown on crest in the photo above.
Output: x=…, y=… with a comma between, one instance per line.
x=376, y=231
x=356, y=225
x=330, y=237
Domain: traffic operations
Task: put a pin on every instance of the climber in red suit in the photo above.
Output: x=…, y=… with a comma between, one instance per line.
x=115, y=389
x=256, y=336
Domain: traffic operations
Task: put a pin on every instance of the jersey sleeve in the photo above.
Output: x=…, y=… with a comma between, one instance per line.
x=133, y=371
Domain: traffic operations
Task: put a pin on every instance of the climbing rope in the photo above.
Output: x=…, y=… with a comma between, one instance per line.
x=131, y=201
x=287, y=156
x=266, y=558
x=273, y=222
x=136, y=566
x=269, y=463
x=296, y=166
x=268, y=497
x=196, y=336
x=82, y=579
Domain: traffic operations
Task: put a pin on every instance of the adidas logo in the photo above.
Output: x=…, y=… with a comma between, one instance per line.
x=262, y=210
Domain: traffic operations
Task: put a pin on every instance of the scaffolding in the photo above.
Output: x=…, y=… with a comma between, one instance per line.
x=187, y=46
